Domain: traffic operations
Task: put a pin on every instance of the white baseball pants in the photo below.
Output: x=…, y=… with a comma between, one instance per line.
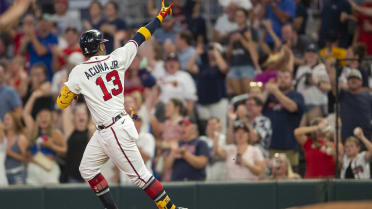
x=118, y=143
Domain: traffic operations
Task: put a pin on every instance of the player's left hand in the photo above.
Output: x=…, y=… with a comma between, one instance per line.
x=165, y=11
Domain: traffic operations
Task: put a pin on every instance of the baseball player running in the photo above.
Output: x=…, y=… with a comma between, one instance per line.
x=100, y=81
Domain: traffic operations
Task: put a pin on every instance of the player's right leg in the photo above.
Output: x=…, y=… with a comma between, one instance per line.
x=93, y=159
x=124, y=153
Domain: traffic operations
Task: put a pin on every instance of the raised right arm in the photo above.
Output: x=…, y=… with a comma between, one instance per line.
x=126, y=54
x=145, y=32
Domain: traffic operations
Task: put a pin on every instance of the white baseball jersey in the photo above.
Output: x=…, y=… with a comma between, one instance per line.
x=359, y=165
x=101, y=81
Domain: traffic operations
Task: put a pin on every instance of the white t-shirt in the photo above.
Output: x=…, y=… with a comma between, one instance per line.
x=101, y=81
x=312, y=94
x=224, y=25
x=70, y=20
x=146, y=117
x=56, y=81
x=159, y=70
x=179, y=85
x=146, y=142
x=359, y=166
x=216, y=169
x=3, y=179
x=237, y=172
x=59, y=78
x=245, y=4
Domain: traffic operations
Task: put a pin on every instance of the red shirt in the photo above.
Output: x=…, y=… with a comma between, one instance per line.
x=318, y=163
x=132, y=82
x=17, y=45
x=67, y=52
x=365, y=37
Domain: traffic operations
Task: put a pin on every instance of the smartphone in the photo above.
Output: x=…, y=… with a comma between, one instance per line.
x=238, y=159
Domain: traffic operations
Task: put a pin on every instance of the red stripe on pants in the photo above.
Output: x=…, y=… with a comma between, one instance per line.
x=130, y=163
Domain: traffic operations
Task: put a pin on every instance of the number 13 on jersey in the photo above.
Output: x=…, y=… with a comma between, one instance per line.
x=114, y=77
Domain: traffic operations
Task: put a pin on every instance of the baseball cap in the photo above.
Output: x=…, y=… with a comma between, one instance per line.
x=312, y=48
x=240, y=125
x=147, y=79
x=172, y=56
x=354, y=74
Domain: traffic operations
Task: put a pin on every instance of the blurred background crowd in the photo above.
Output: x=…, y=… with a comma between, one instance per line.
x=225, y=90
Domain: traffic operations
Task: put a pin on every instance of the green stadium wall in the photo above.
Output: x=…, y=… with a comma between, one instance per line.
x=237, y=195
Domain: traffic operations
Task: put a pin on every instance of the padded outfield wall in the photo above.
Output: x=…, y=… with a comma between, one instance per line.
x=237, y=195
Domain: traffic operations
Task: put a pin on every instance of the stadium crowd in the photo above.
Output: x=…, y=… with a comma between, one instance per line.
x=251, y=96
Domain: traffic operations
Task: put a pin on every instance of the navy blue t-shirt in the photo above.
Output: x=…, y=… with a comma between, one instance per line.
x=240, y=55
x=301, y=11
x=331, y=97
x=98, y=25
x=4, y=5
x=182, y=170
x=198, y=27
x=284, y=122
x=356, y=110
x=364, y=77
x=120, y=25
x=47, y=42
x=210, y=84
x=331, y=22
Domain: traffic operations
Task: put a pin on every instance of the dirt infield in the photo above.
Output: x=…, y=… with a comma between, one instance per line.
x=342, y=205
